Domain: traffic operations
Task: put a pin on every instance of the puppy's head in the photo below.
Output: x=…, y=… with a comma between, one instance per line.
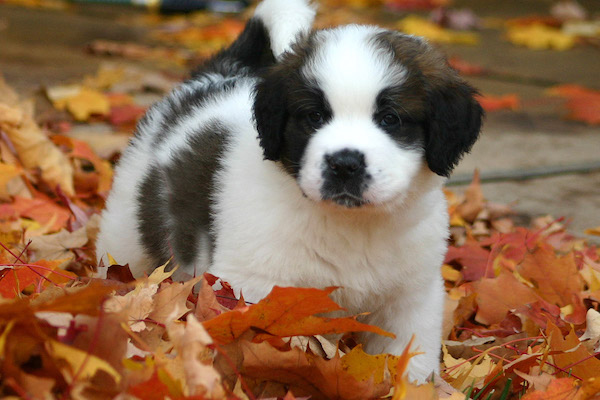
x=354, y=113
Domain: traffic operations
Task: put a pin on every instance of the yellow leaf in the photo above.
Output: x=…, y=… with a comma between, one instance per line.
x=82, y=365
x=86, y=103
x=364, y=366
x=450, y=274
x=7, y=173
x=415, y=25
x=159, y=274
x=465, y=372
x=540, y=37
x=106, y=77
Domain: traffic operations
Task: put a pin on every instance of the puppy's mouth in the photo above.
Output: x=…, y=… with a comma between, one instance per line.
x=346, y=199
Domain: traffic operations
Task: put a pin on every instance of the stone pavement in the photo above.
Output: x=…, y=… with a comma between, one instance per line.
x=44, y=47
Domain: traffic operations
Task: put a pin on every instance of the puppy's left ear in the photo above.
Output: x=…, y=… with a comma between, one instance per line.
x=454, y=123
x=270, y=114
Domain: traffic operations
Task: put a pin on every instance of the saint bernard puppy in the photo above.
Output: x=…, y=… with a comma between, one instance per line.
x=304, y=158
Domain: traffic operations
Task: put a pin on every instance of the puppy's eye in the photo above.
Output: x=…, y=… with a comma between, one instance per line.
x=315, y=118
x=389, y=120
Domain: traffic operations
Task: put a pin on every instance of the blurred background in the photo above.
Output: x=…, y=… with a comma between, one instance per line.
x=93, y=67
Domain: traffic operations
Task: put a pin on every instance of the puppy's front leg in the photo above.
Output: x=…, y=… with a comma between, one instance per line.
x=417, y=313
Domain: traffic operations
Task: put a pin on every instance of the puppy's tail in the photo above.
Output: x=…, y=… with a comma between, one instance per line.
x=275, y=26
x=285, y=20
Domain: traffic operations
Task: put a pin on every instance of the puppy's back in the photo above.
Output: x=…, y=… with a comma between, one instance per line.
x=160, y=204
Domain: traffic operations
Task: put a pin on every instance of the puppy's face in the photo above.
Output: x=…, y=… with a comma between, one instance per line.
x=354, y=113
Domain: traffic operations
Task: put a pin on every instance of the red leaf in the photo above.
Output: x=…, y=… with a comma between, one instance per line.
x=42, y=210
x=474, y=260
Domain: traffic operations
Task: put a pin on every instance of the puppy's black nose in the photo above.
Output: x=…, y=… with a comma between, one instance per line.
x=346, y=163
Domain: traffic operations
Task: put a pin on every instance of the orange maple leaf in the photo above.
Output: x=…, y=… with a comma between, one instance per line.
x=286, y=312
x=571, y=357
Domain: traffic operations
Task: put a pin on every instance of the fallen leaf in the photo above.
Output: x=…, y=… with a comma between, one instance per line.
x=465, y=67
x=474, y=259
x=414, y=5
x=82, y=102
x=474, y=201
x=306, y=374
x=465, y=373
x=415, y=25
x=42, y=210
x=540, y=37
x=570, y=356
x=34, y=148
x=171, y=300
x=8, y=172
x=563, y=389
x=497, y=296
x=191, y=342
x=80, y=364
x=591, y=336
x=137, y=304
x=495, y=103
x=555, y=278
x=583, y=103
x=57, y=246
x=286, y=312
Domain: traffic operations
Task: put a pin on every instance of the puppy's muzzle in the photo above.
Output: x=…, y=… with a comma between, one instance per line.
x=345, y=178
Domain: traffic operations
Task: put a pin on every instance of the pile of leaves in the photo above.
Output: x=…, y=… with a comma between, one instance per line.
x=515, y=316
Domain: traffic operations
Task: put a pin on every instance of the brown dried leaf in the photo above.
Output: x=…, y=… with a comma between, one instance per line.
x=34, y=148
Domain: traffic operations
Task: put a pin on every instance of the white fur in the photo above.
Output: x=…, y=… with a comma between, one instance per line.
x=285, y=20
x=385, y=256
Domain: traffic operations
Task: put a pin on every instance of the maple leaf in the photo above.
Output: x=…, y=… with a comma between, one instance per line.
x=191, y=342
x=18, y=277
x=80, y=101
x=474, y=260
x=564, y=389
x=307, y=374
x=57, y=246
x=170, y=303
x=570, y=356
x=286, y=312
x=43, y=210
x=555, y=278
x=80, y=363
x=495, y=297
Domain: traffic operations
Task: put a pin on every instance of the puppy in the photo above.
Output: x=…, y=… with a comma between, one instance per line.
x=299, y=158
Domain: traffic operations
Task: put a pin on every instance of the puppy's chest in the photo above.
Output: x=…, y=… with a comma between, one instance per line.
x=303, y=248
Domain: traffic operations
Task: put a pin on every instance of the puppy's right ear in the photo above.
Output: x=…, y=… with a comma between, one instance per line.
x=270, y=113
